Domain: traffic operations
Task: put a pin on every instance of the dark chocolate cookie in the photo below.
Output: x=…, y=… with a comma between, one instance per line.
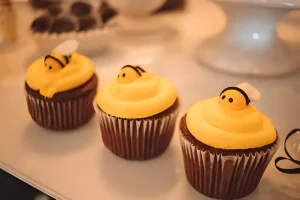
x=106, y=12
x=5, y=2
x=81, y=8
x=62, y=25
x=87, y=23
x=54, y=10
x=42, y=4
x=41, y=24
x=171, y=5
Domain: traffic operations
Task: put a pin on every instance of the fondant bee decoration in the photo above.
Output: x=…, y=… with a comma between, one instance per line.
x=239, y=97
x=60, y=56
x=130, y=74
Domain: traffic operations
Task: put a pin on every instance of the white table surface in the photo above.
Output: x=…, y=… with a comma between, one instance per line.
x=76, y=165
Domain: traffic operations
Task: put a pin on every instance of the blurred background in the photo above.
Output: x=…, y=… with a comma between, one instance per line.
x=247, y=38
x=262, y=35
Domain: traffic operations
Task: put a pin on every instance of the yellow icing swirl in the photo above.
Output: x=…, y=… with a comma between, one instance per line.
x=136, y=94
x=219, y=126
x=50, y=81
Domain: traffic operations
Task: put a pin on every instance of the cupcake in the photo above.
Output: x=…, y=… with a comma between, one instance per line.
x=60, y=88
x=227, y=143
x=137, y=113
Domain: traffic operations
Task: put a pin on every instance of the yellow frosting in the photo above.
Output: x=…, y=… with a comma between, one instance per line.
x=136, y=94
x=222, y=125
x=50, y=78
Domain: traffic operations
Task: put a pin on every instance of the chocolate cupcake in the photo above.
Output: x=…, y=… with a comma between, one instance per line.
x=137, y=113
x=227, y=143
x=60, y=88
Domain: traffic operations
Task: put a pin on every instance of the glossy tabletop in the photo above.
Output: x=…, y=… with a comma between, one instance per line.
x=76, y=165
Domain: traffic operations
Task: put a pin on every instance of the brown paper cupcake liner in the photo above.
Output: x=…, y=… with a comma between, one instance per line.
x=137, y=139
x=58, y=115
x=224, y=177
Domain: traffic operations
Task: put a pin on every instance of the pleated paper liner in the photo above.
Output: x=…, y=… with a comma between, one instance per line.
x=137, y=139
x=224, y=176
x=61, y=115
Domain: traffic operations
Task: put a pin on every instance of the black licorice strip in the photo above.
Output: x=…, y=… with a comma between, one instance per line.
x=290, y=158
x=67, y=59
x=137, y=71
x=138, y=67
x=239, y=90
x=49, y=56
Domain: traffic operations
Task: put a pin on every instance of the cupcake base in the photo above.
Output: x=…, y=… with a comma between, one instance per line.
x=223, y=174
x=138, y=139
x=66, y=110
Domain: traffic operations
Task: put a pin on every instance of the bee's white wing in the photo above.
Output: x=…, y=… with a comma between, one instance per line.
x=144, y=63
x=67, y=47
x=252, y=92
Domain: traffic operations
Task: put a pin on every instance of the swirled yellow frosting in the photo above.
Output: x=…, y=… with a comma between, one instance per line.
x=136, y=94
x=228, y=126
x=49, y=77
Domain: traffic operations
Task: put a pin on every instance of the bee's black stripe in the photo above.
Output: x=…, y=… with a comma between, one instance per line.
x=67, y=59
x=137, y=71
x=49, y=56
x=240, y=90
x=138, y=67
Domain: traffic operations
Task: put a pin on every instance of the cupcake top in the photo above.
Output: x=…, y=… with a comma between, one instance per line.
x=136, y=94
x=60, y=71
x=229, y=121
